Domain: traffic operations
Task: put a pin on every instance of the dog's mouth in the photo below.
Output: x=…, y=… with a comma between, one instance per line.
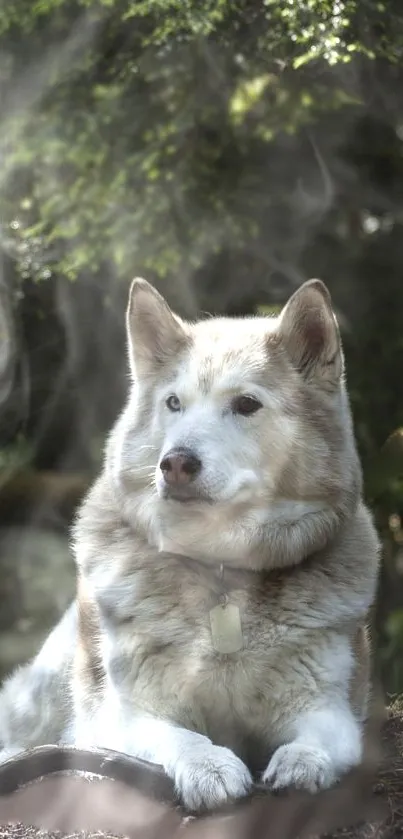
x=185, y=495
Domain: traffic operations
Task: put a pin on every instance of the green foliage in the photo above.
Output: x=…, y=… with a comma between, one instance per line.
x=114, y=140
x=15, y=456
x=392, y=650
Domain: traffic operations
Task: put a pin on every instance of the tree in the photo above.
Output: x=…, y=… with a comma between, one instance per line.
x=136, y=132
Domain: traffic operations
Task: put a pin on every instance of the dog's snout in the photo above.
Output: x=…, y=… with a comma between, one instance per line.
x=180, y=466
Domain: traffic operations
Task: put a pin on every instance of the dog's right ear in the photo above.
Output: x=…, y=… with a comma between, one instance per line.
x=155, y=334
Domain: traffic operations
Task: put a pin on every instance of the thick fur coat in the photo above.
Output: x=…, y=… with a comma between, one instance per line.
x=231, y=481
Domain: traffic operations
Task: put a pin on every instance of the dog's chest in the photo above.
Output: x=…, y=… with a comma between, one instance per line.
x=171, y=661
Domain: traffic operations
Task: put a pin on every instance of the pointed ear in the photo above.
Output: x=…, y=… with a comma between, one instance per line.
x=309, y=331
x=155, y=334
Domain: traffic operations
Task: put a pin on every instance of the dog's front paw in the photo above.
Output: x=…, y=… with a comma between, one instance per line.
x=296, y=765
x=207, y=776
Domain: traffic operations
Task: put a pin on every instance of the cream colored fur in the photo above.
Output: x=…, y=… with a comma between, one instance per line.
x=132, y=665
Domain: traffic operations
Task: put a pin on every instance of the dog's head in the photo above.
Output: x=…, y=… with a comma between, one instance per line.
x=236, y=420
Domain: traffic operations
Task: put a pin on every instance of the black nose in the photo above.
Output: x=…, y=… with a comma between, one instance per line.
x=180, y=466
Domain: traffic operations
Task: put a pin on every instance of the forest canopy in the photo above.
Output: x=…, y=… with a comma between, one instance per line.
x=135, y=132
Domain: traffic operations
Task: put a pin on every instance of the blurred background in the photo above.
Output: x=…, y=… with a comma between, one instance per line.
x=226, y=151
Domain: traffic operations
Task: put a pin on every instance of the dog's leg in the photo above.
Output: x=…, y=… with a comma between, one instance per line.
x=324, y=743
x=205, y=775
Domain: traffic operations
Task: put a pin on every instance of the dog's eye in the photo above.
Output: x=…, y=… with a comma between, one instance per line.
x=173, y=403
x=245, y=405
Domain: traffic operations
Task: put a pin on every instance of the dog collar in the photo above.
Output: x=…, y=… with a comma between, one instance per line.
x=224, y=578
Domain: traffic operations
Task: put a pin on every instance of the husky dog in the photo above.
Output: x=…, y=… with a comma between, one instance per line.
x=225, y=563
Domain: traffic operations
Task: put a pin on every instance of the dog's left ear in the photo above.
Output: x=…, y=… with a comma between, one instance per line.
x=155, y=334
x=309, y=331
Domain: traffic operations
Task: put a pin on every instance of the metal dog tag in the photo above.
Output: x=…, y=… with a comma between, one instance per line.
x=226, y=628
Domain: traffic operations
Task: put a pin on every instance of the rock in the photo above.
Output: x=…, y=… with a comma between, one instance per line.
x=37, y=584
